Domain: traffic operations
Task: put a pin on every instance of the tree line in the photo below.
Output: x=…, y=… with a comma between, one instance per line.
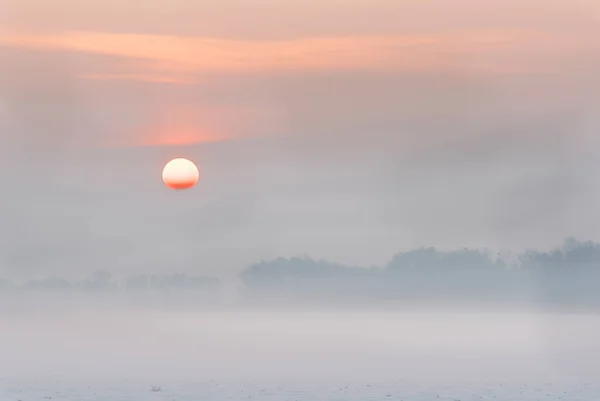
x=104, y=281
x=565, y=276
x=568, y=275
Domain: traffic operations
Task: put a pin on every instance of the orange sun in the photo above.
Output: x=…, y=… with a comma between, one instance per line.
x=180, y=174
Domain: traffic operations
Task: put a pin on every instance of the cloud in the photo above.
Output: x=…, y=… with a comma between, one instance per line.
x=184, y=58
x=139, y=77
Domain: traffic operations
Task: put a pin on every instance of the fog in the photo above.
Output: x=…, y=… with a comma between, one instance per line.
x=462, y=315
x=108, y=343
x=388, y=189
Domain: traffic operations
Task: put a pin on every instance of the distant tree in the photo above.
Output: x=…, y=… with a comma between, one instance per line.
x=283, y=270
x=50, y=283
x=581, y=254
x=430, y=259
x=572, y=255
x=99, y=281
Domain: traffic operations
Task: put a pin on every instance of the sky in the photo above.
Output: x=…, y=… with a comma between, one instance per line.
x=346, y=130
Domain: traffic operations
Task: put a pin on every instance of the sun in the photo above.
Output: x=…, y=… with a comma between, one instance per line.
x=180, y=174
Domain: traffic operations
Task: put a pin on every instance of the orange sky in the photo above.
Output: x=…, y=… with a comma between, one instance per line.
x=189, y=44
x=483, y=51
